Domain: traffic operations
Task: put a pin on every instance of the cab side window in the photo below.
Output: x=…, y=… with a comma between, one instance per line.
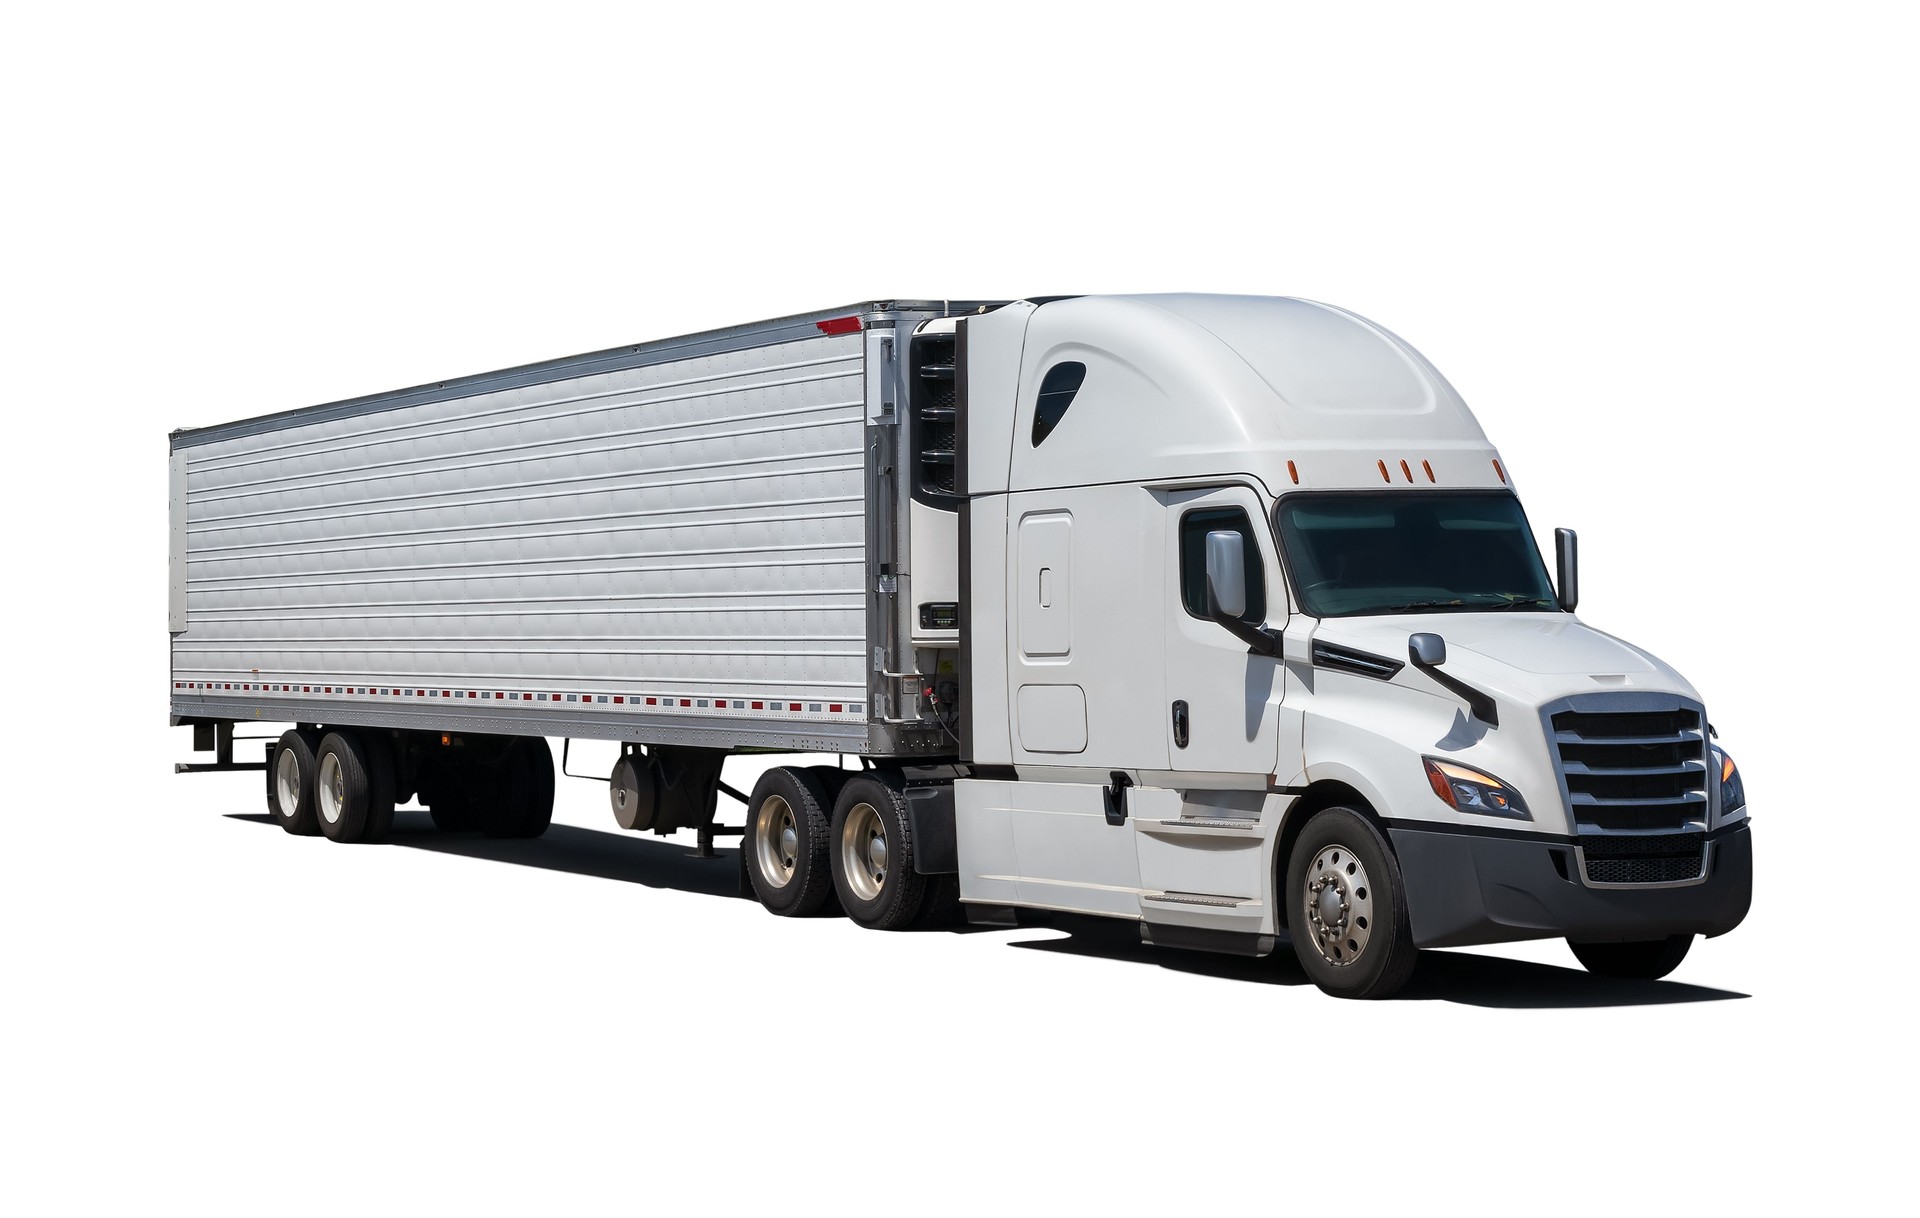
x=1194, y=527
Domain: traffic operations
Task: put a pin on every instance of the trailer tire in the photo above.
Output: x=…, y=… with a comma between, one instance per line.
x=1347, y=907
x=379, y=825
x=523, y=807
x=351, y=784
x=785, y=843
x=1640, y=961
x=290, y=783
x=872, y=853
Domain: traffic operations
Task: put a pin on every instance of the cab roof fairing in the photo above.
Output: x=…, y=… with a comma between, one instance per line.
x=1196, y=386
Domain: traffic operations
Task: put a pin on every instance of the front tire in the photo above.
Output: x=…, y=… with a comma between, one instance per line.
x=1648, y=960
x=1347, y=908
x=290, y=783
x=872, y=853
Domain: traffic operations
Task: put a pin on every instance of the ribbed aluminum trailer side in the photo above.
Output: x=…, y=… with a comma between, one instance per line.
x=689, y=542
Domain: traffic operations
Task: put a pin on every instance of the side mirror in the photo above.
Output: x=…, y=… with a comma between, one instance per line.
x=1566, y=548
x=1427, y=650
x=1227, y=592
x=1226, y=574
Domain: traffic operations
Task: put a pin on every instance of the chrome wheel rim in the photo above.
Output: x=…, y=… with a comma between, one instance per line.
x=1337, y=905
x=864, y=852
x=776, y=842
x=286, y=781
x=330, y=789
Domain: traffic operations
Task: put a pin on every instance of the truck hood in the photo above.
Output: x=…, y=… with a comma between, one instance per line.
x=1525, y=658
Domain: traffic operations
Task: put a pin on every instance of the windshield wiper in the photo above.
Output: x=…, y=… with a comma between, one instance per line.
x=1525, y=602
x=1412, y=605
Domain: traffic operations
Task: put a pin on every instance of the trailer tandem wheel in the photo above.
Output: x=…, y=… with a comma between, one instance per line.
x=523, y=807
x=290, y=782
x=353, y=787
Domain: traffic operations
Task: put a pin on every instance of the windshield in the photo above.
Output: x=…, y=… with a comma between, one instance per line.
x=1409, y=552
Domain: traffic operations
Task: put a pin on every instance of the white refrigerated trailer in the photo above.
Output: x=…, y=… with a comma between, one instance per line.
x=1218, y=614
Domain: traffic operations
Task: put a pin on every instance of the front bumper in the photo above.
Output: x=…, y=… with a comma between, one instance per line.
x=1466, y=887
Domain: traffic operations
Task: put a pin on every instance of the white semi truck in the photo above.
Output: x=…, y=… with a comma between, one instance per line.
x=1217, y=614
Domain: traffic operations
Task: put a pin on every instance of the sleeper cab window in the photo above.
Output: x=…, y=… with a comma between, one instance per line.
x=1194, y=527
x=1056, y=394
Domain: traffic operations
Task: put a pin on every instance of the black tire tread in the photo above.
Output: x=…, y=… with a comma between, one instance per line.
x=904, y=893
x=369, y=785
x=305, y=822
x=524, y=806
x=812, y=884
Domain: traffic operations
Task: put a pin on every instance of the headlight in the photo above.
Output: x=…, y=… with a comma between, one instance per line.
x=1733, y=792
x=1474, y=791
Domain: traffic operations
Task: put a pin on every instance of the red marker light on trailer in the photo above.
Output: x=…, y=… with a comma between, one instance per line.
x=839, y=325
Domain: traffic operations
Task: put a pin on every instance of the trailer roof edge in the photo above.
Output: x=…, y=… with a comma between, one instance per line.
x=613, y=359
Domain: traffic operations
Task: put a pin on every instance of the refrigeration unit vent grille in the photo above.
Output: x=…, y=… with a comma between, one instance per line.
x=935, y=431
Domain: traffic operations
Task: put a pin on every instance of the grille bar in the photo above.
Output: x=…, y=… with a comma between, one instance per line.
x=1632, y=770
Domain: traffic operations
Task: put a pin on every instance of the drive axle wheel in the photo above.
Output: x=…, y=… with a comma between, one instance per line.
x=1347, y=908
x=873, y=869
x=785, y=846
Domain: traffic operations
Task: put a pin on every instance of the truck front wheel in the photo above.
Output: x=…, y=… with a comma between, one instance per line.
x=1643, y=961
x=1347, y=908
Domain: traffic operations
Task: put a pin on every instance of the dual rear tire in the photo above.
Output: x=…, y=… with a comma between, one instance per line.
x=339, y=784
x=353, y=787
x=804, y=845
x=290, y=782
x=342, y=784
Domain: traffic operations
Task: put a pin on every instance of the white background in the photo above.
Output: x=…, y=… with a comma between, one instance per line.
x=1666, y=252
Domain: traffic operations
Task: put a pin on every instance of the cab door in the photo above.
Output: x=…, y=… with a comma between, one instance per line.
x=1225, y=710
x=1204, y=851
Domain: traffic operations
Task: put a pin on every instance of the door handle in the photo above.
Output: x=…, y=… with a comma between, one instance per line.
x=1180, y=724
x=1114, y=796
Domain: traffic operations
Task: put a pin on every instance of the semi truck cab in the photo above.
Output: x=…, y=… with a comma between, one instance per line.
x=1254, y=643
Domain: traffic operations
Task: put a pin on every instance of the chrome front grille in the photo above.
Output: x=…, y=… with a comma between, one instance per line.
x=1630, y=766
